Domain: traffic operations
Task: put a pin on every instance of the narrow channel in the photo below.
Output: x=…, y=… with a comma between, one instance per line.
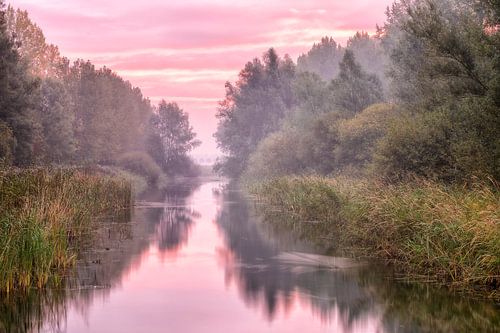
x=198, y=258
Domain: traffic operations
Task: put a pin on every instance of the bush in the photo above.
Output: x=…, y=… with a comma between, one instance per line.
x=142, y=164
x=276, y=155
x=452, y=143
x=358, y=136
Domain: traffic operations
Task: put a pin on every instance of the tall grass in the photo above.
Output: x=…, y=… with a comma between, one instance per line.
x=43, y=215
x=443, y=234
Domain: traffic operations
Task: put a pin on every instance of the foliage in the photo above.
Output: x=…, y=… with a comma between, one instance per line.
x=110, y=114
x=253, y=108
x=278, y=154
x=323, y=59
x=44, y=60
x=441, y=145
x=354, y=89
x=440, y=50
x=142, y=164
x=17, y=95
x=171, y=127
x=358, y=136
x=56, y=119
x=313, y=97
x=370, y=54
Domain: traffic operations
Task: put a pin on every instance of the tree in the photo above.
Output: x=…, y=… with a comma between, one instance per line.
x=440, y=50
x=111, y=115
x=369, y=53
x=17, y=95
x=323, y=59
x=253, y=108
x=44, y=59
x=177, y=137
x=446, y=72
x=354, y=89
x=57, y=121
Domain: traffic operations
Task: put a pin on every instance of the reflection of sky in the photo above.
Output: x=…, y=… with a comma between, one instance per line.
x=184, y=50
x=189, y=291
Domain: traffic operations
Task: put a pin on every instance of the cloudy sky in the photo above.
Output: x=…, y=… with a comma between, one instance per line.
x=184, y=50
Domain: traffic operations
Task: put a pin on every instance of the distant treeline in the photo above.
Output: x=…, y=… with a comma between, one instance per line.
x=53, y=112
x=421, y=97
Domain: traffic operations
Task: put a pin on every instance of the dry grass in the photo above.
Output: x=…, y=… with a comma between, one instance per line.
x=43, y=213
x=437, y=233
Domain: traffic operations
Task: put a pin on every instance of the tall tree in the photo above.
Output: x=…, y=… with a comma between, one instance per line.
x=370, y=55
x=176, y=135
x=323, y=59
x=17, y=93
x=57, y=121
x=111, y=115
x=253, y=108
x=44, y=59
x=354, y=89
x=446, y=70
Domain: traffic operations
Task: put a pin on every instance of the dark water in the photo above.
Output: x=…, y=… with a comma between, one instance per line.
x=197, y=259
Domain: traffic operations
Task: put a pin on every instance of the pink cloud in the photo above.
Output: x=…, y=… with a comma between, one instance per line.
x=187, y=49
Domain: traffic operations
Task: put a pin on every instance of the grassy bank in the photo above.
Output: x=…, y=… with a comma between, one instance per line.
x=43, y=214
x=431, y=232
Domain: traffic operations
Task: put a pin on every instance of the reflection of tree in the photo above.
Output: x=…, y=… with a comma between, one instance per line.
x=267, y=282
x=114, y=249
x=355, y=296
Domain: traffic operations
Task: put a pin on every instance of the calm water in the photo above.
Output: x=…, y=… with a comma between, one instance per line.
x=197, y=259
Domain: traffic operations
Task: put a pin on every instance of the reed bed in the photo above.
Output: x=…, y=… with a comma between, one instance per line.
x=430, y=231
x=44, y=214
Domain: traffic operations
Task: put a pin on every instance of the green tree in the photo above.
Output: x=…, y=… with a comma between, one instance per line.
x=44, y=59
x=323, y=59
x=177, y=137
x=353, y=88
x=17, y=95
x=370, y=54
x=253, y=108
x=446, y=72
x=111, y=115
x=57, y=121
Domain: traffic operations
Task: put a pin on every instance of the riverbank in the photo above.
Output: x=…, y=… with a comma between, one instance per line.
x=43, y=215
x=430, y=232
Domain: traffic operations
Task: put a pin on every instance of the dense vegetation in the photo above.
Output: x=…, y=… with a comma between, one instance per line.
x=412, y=112
x=55, y=119
x=43, y=216
x=53, y=112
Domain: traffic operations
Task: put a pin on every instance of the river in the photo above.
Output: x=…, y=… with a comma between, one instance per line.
x=198, y=258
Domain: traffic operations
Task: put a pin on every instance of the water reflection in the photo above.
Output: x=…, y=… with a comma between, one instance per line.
x=355, y=299
x=198, y=258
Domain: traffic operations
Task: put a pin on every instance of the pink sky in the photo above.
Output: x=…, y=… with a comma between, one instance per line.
x=184, y=50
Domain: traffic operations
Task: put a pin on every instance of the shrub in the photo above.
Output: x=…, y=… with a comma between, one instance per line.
x=142, y=164
x=358, y=136
x=449, y=144
x=276, y=155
